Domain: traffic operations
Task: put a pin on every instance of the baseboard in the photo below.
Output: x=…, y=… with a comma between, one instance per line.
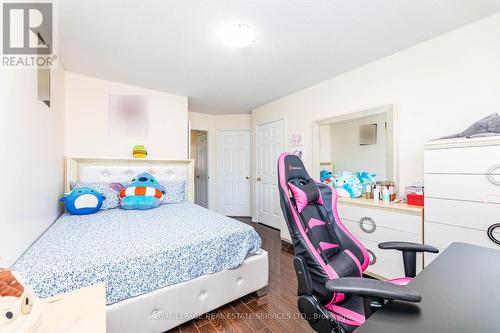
x=287, y=247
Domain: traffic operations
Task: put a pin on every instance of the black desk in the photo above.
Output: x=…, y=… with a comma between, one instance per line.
x=460, y=293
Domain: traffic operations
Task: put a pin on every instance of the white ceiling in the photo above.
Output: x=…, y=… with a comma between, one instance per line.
x=173, y=45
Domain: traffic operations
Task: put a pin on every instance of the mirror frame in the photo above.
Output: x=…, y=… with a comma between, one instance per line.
x=392, y=115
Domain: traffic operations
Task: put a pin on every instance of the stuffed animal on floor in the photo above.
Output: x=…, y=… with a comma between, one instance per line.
x=20, y=308
x=83, y=201
x=144, y=192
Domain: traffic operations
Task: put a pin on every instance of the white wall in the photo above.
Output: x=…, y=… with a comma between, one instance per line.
x=32, y=162
x=87, y=105
x=439, y=87
x=213, y=124
x=348, y=155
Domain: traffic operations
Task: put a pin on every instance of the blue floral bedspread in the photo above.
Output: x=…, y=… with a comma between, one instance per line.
x=135, y=252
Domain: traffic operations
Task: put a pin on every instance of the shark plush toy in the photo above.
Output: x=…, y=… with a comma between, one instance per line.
x=83, y=201
x=487, y=126
x=144, y=192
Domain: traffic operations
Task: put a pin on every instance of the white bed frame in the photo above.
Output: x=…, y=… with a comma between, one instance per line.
x=166, y=308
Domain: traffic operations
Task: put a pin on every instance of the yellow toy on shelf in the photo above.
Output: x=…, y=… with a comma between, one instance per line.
x=140, y=151
x=20, y=308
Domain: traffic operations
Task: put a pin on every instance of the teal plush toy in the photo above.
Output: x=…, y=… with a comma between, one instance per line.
x=366, y=178
x=144, y=192
x=325, y=176
x=347, y=184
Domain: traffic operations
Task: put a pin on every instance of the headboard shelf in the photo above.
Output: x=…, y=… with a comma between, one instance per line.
x=98, y=169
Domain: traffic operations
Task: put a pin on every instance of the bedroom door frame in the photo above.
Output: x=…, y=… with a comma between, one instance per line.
x=279, y=221
x=219, y=185
x=208, y=186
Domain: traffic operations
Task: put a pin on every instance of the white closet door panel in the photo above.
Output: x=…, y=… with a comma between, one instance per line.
x=381, y=234
x=233, y=173
x=462, y=187
x=475, y=160
x=270, y=143
x=388, y=219
x=476, y=215
x=441, y=236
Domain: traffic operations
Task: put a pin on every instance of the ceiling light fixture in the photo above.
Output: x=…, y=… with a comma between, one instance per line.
x=238, y=35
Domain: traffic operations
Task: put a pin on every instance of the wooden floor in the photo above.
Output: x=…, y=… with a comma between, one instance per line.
x=276, y=312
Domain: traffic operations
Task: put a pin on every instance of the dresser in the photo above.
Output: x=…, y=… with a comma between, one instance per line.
x=462, y=192
x=376, y=222
x=78, y=311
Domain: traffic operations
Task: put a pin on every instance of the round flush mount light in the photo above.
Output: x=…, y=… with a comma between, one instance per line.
x=238, y=35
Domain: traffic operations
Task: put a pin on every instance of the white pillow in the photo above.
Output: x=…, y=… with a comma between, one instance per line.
x=175, y=191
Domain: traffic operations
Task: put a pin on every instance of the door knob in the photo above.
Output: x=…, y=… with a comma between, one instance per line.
x=259, y=179
x=247, y=178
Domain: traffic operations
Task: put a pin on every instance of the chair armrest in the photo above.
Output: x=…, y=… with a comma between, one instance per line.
x=371, y=288
x=407, y=246
x=409, y=251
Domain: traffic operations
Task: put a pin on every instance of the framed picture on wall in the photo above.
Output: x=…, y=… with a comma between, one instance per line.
x=128, y=115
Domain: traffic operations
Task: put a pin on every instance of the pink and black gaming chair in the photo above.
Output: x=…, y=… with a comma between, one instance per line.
x=329, y=261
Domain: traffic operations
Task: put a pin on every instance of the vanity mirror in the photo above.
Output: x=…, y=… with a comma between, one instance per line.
x=360, y=141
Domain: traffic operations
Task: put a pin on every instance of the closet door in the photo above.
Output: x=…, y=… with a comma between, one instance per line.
x=270, y=144
x=233, y=173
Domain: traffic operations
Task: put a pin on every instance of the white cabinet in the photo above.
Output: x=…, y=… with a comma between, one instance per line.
x=462, y=192
x=374, y=223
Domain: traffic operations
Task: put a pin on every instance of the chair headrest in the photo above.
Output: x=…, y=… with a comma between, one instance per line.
x=291, y=167
x=293, y=173
x=304, y=193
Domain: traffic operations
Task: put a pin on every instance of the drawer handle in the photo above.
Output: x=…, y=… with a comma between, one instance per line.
x=373, y=257
x=490, y=233
x=371, y=224
x=490, y=175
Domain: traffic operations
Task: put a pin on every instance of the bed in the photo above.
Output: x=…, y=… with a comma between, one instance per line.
x=161, y=267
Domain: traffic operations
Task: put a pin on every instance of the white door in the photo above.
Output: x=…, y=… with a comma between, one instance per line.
x=201, y=171
x=233, y=173
x=270, y=144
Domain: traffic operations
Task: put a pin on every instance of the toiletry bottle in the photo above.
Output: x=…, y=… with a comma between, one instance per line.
x=368, y=194
x=385, y=194
x=392, y=191
x=376, y=194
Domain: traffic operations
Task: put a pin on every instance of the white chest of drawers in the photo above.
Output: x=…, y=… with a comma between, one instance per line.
x=462, y=192
x=373, y=223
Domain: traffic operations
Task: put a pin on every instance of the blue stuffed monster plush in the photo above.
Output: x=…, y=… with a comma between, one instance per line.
x=325, y=176
x=144, y=192
x=83, y=201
